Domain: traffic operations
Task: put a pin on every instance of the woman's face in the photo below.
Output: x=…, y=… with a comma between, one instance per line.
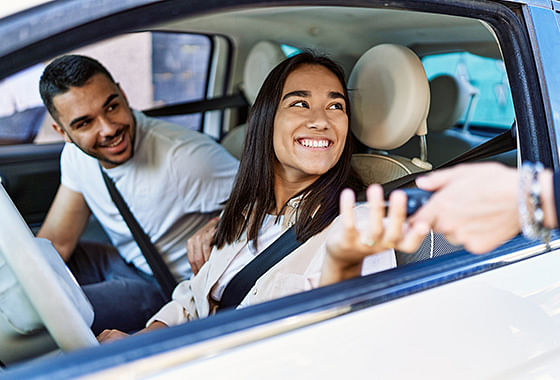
x=310, y=125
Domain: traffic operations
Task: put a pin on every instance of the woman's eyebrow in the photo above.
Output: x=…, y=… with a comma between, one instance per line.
x=336, y=95
x=301, y=93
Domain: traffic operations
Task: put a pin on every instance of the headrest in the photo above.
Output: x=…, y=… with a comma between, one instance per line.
x=263, y=57
x=450, y=98
x=390, y=97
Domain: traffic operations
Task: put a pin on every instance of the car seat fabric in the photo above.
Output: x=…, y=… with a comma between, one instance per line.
x=450, y=98
x=390, y=99
x=263, y=57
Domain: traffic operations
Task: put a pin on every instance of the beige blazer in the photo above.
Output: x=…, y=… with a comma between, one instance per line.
x=297, y=272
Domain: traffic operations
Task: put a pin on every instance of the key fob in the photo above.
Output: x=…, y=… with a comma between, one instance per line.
x=416, y=198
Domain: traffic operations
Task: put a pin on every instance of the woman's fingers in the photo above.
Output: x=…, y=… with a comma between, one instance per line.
x=413, y=237
x=376, y=205
x=396, y=217
x=347, y=202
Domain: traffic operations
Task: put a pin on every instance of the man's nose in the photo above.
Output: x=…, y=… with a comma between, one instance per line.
x=107, y=128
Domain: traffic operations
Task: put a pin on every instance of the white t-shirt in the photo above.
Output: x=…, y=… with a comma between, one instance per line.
x=173, y=184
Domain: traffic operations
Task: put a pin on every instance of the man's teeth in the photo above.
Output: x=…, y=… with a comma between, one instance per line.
x=117, y=141
x=310, y=143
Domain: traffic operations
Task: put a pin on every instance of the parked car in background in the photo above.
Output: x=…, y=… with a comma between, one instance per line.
x=442, y=313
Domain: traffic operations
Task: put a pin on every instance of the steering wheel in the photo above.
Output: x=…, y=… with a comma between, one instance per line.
x=49, y=289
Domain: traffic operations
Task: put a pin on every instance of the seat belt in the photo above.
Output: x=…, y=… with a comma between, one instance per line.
x=240, y=285
x=502, y=143
x=223, y=102
x=161, y=272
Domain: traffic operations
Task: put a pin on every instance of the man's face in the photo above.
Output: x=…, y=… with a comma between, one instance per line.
x=96, y=118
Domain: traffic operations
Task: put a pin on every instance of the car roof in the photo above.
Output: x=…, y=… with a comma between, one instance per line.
x=9, y=8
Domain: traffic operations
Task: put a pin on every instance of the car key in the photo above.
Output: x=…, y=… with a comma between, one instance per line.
x=415, y=198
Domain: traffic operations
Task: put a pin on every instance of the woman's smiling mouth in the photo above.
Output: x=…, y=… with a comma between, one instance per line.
x=314, y=143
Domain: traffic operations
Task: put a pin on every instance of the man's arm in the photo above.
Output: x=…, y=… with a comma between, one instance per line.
x=65, y=221
x=476, y=205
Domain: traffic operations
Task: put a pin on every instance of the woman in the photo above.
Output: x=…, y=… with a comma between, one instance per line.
x=294, y=167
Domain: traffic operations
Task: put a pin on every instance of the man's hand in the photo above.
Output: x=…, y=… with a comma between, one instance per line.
x=198, y=245
x=112, y=335
x=475, y=205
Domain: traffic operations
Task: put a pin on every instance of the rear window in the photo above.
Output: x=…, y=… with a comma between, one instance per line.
x=154, y=70
x=492, y=106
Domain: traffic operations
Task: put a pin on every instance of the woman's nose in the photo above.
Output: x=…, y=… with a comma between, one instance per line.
x=318, y=120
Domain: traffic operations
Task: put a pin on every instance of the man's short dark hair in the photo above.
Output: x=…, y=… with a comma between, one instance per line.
x=65, y=72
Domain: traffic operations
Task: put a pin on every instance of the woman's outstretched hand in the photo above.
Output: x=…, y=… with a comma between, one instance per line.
x=348, y=245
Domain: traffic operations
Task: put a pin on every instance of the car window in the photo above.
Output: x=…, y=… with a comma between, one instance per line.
x=153, y=68
x=491, y=104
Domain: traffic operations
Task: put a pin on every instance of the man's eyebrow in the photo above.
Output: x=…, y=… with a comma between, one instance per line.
x=302, y=93
x=109, y=99
x=81, y=118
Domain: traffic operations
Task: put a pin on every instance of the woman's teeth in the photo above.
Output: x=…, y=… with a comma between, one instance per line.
x=310, y=143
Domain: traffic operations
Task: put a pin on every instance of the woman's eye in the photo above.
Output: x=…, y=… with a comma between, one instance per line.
x=336, y=106
x=300, y=103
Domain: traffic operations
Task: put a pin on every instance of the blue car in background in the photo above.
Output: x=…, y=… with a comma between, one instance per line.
x=494, y=78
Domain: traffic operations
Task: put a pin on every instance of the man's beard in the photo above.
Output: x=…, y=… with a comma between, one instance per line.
x=102, y=158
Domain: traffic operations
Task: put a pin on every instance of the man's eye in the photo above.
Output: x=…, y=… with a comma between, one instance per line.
x=112, y=107
x=300, y=103
x=82, y=124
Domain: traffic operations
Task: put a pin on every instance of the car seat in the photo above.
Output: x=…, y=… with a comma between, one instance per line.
x=390, y=98
x=450, y=99
x=263, y=57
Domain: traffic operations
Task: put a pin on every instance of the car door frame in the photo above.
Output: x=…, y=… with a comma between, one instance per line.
x=351, y=295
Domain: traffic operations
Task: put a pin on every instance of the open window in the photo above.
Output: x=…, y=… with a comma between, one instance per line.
x=490, y=56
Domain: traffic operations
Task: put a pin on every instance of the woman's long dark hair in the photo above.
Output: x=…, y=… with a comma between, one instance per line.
x=252, y=196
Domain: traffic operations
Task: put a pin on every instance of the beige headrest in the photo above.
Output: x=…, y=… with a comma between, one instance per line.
x=450, y=98
x=390, y=97
x=263, y=57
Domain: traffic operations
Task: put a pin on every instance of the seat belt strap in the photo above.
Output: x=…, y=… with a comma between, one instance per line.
x=223, y=102
x=502, y=143
x=240, y=285
x=161, y=272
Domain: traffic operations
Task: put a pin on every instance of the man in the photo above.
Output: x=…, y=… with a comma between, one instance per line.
x=478, y=205
x=173, y=180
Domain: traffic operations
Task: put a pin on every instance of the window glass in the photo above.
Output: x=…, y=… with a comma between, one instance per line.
x=153, y=69
x=492, y=104
x=180, y=68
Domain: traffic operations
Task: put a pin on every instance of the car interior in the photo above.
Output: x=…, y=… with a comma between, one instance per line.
x=407, y=117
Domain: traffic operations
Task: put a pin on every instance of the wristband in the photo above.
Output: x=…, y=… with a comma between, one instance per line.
x=531, y=214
